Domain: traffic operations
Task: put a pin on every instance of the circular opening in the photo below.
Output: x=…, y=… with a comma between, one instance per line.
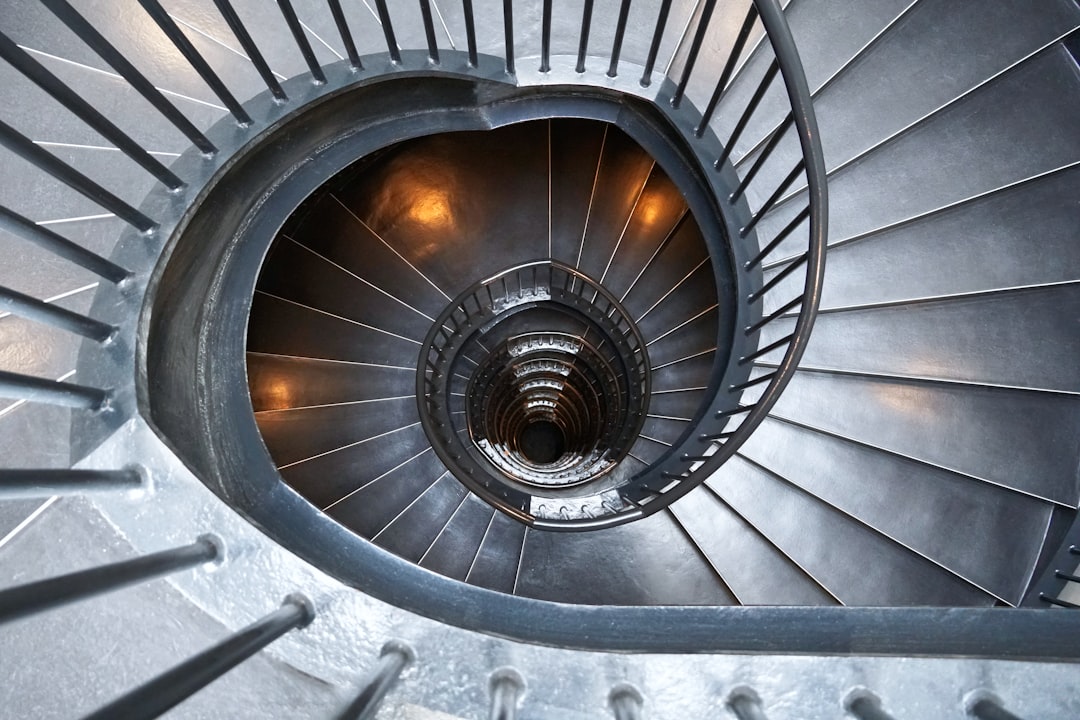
x=542, y=442
x=354, y=242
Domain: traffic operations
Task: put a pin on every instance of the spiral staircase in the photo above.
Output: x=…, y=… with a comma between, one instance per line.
x=496, y=339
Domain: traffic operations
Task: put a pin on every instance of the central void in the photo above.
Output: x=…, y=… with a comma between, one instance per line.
x=523, y=319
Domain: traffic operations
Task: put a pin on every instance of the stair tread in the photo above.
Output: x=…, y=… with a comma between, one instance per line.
x=498, y=557
x=296, y=436
x=857, y=565
x=294, y=273
x=953, y=339
x=377, y=502
x=455, y=548
x=897, y=87
x=983, y=532
x=1020, y=236
x=314, y=334
x=992, y=133
x=599, y=568
x=830, y=34
x=756, y=572
x=970, y=430
x=410, y=534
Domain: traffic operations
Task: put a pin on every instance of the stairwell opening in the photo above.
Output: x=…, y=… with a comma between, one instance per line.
x=300, y=295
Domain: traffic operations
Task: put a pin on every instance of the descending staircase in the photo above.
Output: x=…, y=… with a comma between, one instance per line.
x=923, y=454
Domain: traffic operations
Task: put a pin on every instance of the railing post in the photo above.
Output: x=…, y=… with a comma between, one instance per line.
x=33, y=309
x=865, y=705
x=394, y=657
x=35, y=597
x=745, y=704
x=51, y=392
x=507, y=687
x=181, y=682
x=626, y=702
x=37, y=483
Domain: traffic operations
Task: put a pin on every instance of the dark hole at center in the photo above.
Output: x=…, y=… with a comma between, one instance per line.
x=542, y=442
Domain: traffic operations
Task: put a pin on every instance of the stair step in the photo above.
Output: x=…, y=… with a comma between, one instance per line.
x=280, y=327
x=755, y=570
x=574, y=153
x=375, y=503
x=619, y=183
x=442, y=211
x=971, y=430
x=412, y=533
x=498, y=558
x=856, y=564
x=279, y=382
x=985, y=533
x=897, y=87
x=323, y=452
x=295, y=273
x=1010, y=338
x=1018, y=125
x=454, y=549
x=830, y=35
x=647, y=562
x=1024, y=235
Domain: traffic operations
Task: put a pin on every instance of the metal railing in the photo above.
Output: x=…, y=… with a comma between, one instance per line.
x=188, y=677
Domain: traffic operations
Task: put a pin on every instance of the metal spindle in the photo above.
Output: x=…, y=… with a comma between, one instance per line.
x=176, y=685
x=545, y=37
x=470, y=33
x=33, y=389
x=778, y=278
x=745, y=704
x=716, y=436
x=168, y=26
x=31, y=308
x=695, y=48
x=36, y=483
x=35, y=597
x=392, y=660
x=97, y=42
x=1066, y=576
x=583, y=41
x=766, y=350
x=765, y=154
x=388, y=31
x=748, y=111
x=1056, y=601
x=729, y=69
x=626, y=702
x=36, y=73
x=429, y=31
x=864, y=705
x=780, y=237
x=774, y=198
x=297, y=31
x=508, y=34
x=252, y=50
x=346, y=36
x=985, y=706
x=658, y=37
x=769, y=318
x=751, y=383
x=28, y=150
x=734, y=411
x=60, y=246
x=620, y=30
x=507, y=686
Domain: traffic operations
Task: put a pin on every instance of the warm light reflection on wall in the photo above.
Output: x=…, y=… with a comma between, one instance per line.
x=430, y=206
x=653, y=207
x=274, y=393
